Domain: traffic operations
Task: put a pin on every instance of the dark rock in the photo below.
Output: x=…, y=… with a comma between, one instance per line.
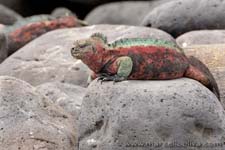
x=68, y=96
x=8, y=16
x=19, y=6
x=139, y=113
x=48, y=58
x=180, y=16
x=130, y=13
x=31, y=121
x=3, y=47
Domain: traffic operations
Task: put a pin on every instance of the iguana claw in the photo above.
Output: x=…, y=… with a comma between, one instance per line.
x=118, y=78
x=114, y=78
x=102, y=76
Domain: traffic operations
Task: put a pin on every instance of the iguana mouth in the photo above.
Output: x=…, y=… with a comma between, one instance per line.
x=75, y=53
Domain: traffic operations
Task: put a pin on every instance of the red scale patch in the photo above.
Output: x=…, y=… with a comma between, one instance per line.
x=25, y=34
x=150, y=62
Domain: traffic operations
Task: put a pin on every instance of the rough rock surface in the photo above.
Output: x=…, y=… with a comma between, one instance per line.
x=213, y=56
x=68, y=96
x=48, y=58
x=201, y=37
x=140, y=113
x=130, y=13
x=180, y=16
x=31, y=121
x=3, y=47
x=8, y=16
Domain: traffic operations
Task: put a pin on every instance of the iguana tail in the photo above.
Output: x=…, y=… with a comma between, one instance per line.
x=201, y=73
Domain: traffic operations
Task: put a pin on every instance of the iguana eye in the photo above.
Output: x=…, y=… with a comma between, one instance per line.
x=82, y=46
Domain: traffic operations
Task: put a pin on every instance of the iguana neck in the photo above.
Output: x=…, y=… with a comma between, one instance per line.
x=95, y=60
x=142, y=42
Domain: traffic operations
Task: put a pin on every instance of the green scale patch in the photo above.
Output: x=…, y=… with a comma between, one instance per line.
x=143, y=42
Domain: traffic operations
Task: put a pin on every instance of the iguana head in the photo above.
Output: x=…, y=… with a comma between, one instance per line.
x=90, y=51
x=89, y=47
x=82, y=48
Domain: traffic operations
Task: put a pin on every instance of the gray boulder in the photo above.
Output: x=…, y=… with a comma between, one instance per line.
x=201, y=37
x=61, y=11
x=180, y=16
x=48, y=58
x=8, y=16
x=130, y=13
x=147, y=115
x=31, y=121
x=68, y=96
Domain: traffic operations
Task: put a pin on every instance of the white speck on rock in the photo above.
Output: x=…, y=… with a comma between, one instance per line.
x=77, y=107
x=91, y=27
x=184, y=44
x=91, y=141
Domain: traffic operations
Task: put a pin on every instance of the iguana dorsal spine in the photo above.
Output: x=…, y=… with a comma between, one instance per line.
x=124, y=43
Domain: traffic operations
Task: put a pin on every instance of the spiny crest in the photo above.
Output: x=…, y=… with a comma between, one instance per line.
x=100, y=36
x=128, y=42
x=81, y=43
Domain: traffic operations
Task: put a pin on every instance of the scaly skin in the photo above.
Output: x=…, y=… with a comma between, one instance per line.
x=140, y=59
x=30, y=28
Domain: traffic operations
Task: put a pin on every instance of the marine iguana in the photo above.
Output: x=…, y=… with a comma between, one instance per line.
x=140, y=59
x=29, y=28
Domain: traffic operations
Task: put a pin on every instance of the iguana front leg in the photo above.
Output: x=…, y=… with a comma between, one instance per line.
x=125, y=66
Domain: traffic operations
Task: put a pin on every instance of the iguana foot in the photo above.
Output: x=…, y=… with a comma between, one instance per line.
x=114, y=78
x=102, y=76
